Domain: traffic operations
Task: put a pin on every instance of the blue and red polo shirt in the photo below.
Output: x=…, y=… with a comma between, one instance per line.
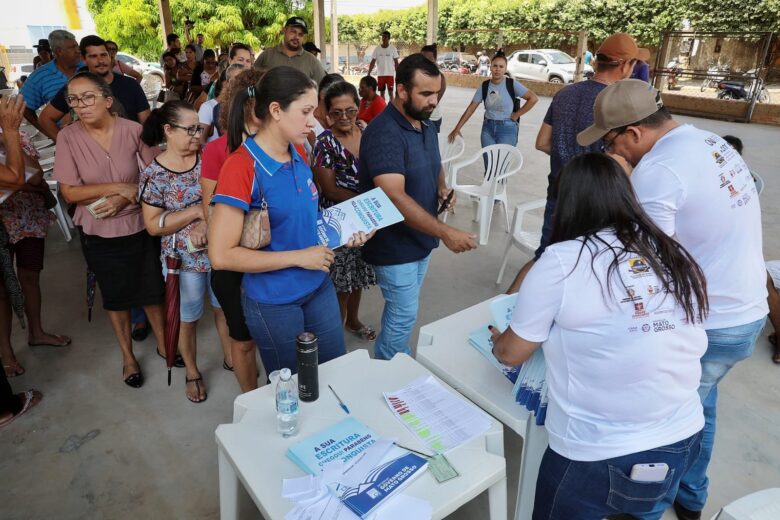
x=292, y=199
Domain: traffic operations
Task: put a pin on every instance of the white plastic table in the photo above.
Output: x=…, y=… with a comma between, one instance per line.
x=443, y=347
x=252, y=455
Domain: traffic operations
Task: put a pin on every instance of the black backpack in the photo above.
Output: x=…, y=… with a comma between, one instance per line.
x=510, y=87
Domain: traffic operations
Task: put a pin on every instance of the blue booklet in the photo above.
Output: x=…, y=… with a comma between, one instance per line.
x=481, y=340
x=365, y=212
x=342, y=441
x=382, y=482
x=501, y=310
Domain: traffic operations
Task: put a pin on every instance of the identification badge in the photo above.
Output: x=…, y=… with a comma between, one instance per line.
x=441, y=468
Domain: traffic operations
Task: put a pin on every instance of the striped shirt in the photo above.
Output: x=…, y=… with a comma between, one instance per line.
x=42, y=85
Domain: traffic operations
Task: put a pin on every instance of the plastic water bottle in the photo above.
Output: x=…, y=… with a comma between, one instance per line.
x=286, y=404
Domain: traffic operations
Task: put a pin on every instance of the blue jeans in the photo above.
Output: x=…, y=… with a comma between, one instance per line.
x=568, y=489
x=400, y=286
x=137, y=315
x=725, y=348
x=275, y=327
x=499, y=131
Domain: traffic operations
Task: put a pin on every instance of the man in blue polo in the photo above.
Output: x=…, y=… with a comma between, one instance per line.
x=45, y=81
x=400, y=154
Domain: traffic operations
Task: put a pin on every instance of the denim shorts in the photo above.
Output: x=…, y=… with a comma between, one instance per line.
x=192, y=294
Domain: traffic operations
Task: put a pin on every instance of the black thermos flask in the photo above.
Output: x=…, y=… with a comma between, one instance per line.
x=308, y=379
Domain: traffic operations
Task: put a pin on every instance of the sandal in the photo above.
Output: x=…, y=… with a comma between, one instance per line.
x=135, y=380
x=178, y=361
x=30, y=398
x=198, y=381
x=365, y=333
x=226, y=366
x=140, y=331
x=63, y=341
x=13, y=369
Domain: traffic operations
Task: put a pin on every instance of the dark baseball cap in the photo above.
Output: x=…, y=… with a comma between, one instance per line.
x=311, y=47
x=297, y=21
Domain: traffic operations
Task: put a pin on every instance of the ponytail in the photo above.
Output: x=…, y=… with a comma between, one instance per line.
x=236, y=124
x=153, y=132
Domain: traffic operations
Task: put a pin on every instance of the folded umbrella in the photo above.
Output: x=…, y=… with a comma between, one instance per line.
x=172, y=302
x=10, y=280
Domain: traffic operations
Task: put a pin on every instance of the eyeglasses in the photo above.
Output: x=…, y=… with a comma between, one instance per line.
x=338, y=114
x=608, y=144
x=87, y=100
x=192, y=131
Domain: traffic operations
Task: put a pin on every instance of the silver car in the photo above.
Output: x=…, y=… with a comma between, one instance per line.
x=153, y=78
x=544, y=65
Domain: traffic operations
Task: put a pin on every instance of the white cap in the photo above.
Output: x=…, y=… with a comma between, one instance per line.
x=285, y=374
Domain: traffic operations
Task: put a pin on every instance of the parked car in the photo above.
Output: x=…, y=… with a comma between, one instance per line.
x=455, y=60
x=544, y=65
x=153, y=78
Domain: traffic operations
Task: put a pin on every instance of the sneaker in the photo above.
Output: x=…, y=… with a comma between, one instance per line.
x=685, y=514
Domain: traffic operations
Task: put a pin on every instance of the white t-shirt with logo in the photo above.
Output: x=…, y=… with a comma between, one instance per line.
x=623, y=364
x=697, y=188
x=385, y=66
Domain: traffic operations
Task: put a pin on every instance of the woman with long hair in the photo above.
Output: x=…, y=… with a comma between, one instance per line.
x=336, y=154
x=286, y=286
x=617, y=306
x=502, y=116
x=97, y=166
x=171, y=202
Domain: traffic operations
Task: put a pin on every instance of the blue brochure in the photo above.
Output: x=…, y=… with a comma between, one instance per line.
x=382, y=482
x=481, y=340
x=365, y=212
x=342, y=441
x=501, y=310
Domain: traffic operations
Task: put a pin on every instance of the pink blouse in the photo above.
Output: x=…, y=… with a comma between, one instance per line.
x=80, y=161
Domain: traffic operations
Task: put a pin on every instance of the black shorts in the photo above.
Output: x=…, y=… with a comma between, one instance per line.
x=227, y=288
x=28, y=253
x=127, y=269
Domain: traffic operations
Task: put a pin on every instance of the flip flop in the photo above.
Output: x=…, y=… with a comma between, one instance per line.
x=178, y=361
x=365, y=333
x=13, y=369
x=64, y=342
x=226, y=366
x=140, y=333
x=135, y=380
x=197, y=380
x=30, y=398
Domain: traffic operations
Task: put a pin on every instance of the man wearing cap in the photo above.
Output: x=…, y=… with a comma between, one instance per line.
x=697, y=189
x=44, y=53
x=290, y=52
x=570, y=112
x=45, y=81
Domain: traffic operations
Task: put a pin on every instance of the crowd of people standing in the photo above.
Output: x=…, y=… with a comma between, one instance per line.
x=633, y=374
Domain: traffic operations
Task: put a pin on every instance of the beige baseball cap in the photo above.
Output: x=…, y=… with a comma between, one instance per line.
x=620, y=104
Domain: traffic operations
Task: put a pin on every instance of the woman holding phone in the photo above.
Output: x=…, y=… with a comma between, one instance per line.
x=617, y=306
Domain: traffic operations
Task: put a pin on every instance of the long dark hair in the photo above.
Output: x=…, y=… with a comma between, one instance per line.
x=595, y=194
x=281, y=85
x=153, y=132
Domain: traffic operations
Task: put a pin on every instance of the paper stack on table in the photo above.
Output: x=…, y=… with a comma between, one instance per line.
x=530, y=388
x=438, y=417
x=366, y=487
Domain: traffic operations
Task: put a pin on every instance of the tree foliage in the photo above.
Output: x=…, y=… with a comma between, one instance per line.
x=135, y=24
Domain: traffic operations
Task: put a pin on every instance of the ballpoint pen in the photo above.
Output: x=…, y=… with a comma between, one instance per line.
x=341, y=403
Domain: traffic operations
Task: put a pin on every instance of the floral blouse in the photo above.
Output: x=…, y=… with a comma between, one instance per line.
x=330, y=153
x=173, y=191
x=24, y=214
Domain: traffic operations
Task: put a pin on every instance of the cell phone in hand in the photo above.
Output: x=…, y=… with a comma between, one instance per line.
x=446, y=202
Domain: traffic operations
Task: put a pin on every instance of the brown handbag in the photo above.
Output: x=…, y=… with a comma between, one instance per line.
x=256, y=232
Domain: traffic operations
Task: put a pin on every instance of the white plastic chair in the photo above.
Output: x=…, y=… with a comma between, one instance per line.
x=761, y=505
x=450, y=152
x=526, y=241
x=63, y=219
x=503, y=161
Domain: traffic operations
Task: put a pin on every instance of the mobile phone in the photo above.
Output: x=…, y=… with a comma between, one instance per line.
x=446, y=202
x=654, y=472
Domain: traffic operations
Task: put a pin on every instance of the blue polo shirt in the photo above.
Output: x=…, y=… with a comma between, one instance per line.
x=292, y=199
x=391, y=144
x=42, y=85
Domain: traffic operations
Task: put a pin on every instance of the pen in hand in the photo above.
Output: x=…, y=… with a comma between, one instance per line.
x=341, y=403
